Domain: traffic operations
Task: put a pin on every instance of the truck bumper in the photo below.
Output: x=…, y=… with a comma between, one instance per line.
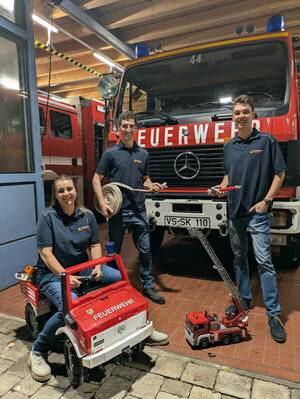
x=180, y=213
x=116, y=349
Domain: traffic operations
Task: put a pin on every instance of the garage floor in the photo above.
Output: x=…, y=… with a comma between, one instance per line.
x=183, y=274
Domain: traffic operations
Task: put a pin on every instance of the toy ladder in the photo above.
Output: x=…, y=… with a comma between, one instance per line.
x=217, y=264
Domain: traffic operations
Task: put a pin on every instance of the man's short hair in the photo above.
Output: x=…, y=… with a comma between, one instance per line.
x=244, y=99
x=126, y=115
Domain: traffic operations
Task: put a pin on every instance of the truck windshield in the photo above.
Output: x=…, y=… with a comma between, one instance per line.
x=203, y=83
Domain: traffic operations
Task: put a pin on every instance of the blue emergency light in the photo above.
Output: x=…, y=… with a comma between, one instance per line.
x=141, y=50
x=275, y=24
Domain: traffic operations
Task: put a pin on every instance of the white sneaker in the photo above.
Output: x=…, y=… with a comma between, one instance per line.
x=157, y=338
x=40, y=369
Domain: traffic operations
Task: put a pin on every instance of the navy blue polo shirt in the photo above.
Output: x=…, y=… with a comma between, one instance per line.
x=69, y=236
x=251, y=163
x=129, y=166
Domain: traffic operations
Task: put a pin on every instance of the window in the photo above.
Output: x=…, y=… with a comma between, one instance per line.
x=61, y=125
x=199, y=327
x=42, y=121
x=15, y=146
x=135, y=99
x=184, y=87
x=12, y=11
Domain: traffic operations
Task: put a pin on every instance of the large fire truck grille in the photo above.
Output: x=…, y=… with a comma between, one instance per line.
x=211, y=169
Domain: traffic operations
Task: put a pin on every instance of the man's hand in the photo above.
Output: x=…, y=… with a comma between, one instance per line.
x=260, y=207
x=154, y=187
x=97, y=273
x=216, y=191
x=74, y=281
x=105, y=209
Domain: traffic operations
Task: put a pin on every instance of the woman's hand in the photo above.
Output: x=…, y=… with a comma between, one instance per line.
x=97, y=272
x=74, y=281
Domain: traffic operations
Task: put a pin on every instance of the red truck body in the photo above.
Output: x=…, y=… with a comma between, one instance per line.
x=72, y=136
x=102, y=323
x=183, y=103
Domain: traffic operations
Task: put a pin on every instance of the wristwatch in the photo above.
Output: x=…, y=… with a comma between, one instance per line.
x=267, y=201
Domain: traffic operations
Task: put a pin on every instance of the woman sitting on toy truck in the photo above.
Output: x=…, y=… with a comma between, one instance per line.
x=66, y=233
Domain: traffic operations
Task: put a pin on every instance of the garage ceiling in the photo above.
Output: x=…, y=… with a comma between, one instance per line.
x=162, y=24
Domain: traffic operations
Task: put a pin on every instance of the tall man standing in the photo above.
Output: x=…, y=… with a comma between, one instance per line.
x=128, y=163
x=254, y=161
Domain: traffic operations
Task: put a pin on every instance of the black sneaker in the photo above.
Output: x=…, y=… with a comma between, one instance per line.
x=277, y=329
x=152, y=294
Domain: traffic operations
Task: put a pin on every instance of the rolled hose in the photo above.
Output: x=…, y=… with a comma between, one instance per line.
x=112, y=195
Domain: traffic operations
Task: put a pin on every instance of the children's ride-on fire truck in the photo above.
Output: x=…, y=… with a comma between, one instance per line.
x=204, y=329
x=101, y=324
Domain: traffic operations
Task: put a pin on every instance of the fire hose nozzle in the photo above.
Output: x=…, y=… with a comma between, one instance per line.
x=217, y=190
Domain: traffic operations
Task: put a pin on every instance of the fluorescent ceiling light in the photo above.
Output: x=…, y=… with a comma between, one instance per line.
x=44, y=23
x=8, y=5
x=108, y=61
x=225, y=100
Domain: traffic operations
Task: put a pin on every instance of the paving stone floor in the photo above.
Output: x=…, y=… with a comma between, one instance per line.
x=184, y=275
x=155, y=374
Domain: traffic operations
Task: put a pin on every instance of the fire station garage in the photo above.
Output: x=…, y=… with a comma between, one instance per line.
x=205, y=189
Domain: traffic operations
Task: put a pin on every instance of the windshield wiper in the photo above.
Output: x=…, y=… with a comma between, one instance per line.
x=155, y=118
x=213, y=103
x=260, y=94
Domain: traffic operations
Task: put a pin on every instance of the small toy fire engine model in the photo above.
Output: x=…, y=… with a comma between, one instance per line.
x=203, y=329
x=101, y=324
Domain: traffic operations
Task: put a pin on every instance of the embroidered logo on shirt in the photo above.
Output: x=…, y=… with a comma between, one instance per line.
x=84, y=228
x=137, y=161
x=255, y=151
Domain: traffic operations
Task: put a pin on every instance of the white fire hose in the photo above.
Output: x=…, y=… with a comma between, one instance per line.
x=112, y=195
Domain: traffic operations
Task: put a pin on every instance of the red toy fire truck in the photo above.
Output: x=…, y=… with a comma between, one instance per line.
x=101, y=324
x=204, y=329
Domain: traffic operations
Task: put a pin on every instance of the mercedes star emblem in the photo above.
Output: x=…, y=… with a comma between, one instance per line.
x=187, y=165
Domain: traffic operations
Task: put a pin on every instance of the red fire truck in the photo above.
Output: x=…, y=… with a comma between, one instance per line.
x=183, y=100
x=203, y=329
x=72, y=137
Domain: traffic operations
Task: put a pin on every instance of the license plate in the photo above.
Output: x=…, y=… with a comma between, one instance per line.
x=177, y=221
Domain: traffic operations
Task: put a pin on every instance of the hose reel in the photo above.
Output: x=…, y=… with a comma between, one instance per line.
x=112, y=195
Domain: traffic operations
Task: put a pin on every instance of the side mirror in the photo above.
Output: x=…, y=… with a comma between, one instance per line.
x=108, y=87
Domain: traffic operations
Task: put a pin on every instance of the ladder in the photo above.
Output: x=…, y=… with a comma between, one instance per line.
x=196, y=233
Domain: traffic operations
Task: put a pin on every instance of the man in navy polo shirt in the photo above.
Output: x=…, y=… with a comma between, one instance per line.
x=254, y=161
x=128, y=163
